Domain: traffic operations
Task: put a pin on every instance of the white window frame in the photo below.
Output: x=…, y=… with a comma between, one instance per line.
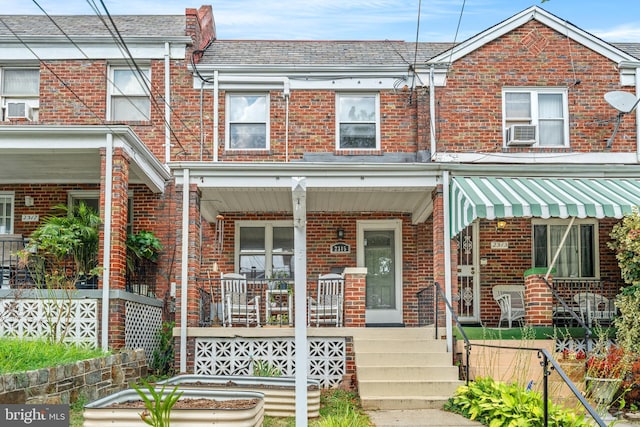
x=9, y=197
x=228, y=123
x=115, y=92
x=32, y=101
x=564, y=223
x=268, y=237
x=377, y=119
x=534, y=92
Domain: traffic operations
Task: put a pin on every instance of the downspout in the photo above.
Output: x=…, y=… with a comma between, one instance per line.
x=216, y=120
x=106, y=253
x=201, y=118
x=286, y=93
x=167, y=102
x=184, y=270
x=447, y=256
x=432, y=112
x=637, y=116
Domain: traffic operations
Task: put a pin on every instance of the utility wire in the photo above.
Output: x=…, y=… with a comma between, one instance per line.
x=415, y=52
x=455, y=37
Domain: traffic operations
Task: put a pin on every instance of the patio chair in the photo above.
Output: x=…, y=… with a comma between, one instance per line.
x=238, y=306
x=10, y=245
x=326, y=308
x=510, y=299
x=594, y=306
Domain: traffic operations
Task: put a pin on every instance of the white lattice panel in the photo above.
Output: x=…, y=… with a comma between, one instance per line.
x=232, y=356
x=30, y=318
x=142, y=327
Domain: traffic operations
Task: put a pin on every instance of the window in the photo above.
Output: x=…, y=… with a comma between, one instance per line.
x=92, y=199
x=544, y=110
x=358, y=124
x=265, y=249
x=577, y=257
x=6, y=213
x=130, y=100
x=247, y=122
x=20, y=93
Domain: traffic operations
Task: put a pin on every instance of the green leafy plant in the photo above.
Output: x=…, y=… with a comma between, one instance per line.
x=144, y=245
x=341, y=408
x=262, y=368
x=496, y=404
x=157, y=407
x=163, y=357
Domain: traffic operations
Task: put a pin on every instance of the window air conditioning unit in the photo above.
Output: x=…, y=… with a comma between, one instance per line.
x=521, y=135
x=18, y=110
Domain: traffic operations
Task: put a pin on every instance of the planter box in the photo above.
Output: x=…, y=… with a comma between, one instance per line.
x=105, y=411
x=279, y=392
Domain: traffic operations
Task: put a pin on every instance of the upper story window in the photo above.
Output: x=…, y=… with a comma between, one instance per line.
x=20, y=93
x=6, y=213
x=247, y=123
x=578, y=254
x=265, y=249
x=130, y=100
x=536, y=116
x=358, y=124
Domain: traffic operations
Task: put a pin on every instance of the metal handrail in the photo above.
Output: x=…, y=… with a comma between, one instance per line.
x=543, y=354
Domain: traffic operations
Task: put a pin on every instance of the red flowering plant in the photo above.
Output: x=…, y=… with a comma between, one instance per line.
x=612, y=362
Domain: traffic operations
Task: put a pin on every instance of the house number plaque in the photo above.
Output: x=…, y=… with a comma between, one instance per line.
x=31, y=218
x=340, y=248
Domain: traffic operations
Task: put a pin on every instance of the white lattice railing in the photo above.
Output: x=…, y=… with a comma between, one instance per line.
x=141, y=327
x=232, y=356
x=31, y=318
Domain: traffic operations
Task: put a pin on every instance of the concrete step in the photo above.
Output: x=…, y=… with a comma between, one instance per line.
x=406, y=402
x=399, y=388
x=407, y=333
x=403, y=373
x=403, y=359
x=398, y=345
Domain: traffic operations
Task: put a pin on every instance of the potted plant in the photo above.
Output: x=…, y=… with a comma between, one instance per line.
x=606, y=368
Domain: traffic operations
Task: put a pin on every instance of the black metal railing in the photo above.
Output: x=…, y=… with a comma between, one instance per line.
x=593, y=301
x=141, y=277
x=547, y=363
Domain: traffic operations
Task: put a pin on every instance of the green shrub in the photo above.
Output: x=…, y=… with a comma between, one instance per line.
x=497, y=404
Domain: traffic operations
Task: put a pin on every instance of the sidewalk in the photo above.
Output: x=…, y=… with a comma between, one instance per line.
x=439, y=418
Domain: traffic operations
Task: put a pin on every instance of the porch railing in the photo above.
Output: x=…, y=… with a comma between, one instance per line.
x=547, y=362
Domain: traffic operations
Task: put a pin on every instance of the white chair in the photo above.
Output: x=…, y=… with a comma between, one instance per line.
x=594, y=306
x=10, y=245
x=510, y=298
x=238, y=306
x=327, y=307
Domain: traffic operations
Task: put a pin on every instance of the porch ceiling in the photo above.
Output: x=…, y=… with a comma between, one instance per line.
x=71, y=154
x=493, y=197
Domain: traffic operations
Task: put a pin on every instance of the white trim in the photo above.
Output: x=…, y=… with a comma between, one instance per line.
x=12, y=200
x=376, y=96
x=542, y=16
x=535, y=157
x=384, y=316
x=227, y=120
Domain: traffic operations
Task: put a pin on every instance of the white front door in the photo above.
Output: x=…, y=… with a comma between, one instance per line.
x=468, y=275
x=380, y=251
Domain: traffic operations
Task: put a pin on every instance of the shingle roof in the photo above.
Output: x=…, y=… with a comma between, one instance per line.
x=91, y=25
x=318, y=53
x=631, y=48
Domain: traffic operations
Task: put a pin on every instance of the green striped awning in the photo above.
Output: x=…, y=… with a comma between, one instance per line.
x=491, y=198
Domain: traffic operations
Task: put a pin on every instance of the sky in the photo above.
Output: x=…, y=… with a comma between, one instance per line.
x=612, y=20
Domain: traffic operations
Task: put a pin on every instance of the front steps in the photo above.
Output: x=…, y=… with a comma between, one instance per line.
x=403, y=368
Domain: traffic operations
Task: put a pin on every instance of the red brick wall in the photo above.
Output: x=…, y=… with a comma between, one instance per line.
x=470, y=106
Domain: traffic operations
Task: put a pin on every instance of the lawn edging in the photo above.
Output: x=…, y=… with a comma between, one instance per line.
x=91, y=379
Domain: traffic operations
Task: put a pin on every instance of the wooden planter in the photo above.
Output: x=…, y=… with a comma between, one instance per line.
x=105, y=411
x=279, y=392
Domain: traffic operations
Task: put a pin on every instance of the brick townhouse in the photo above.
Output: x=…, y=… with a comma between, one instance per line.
x=471, y=165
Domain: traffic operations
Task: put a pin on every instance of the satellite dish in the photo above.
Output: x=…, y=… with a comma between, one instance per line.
x=622, y=101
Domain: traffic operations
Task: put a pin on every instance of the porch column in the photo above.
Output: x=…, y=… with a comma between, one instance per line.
x=538, y=298
x=442, y=270
x=355, y=283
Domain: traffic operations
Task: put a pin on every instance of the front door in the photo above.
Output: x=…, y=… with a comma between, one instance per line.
x=468, y=275
x=380, y=251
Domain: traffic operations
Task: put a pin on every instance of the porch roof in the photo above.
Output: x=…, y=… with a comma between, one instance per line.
x=494, y=197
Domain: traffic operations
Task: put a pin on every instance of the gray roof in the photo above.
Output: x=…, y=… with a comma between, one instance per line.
x=332, y=53
x=318, y=53
x=92, y=25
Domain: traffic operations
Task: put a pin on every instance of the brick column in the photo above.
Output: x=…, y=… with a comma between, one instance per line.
x=355, y=283
x=538, y=299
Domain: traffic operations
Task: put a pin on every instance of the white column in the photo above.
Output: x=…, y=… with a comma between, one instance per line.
x=447, y=256
x=184, y=271
x=299, y=194
x=106, y=255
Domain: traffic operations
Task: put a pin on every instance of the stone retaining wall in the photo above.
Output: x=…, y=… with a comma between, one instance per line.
x=93, y=379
